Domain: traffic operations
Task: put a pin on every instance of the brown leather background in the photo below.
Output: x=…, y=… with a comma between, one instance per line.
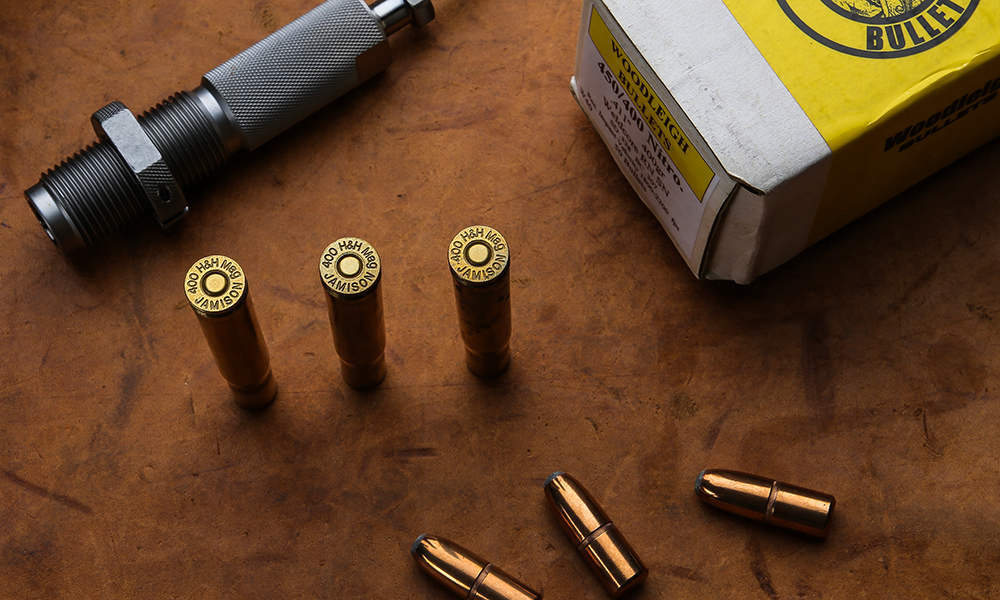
x=864, y=368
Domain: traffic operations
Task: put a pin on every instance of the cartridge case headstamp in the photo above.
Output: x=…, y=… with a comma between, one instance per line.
x=465, y=574
x=602, y=545
x=768, y=501
x=351, y=273
x=217, y=290
x=479, y=258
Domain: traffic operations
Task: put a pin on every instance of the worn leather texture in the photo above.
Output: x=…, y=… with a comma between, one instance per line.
x=863, y=368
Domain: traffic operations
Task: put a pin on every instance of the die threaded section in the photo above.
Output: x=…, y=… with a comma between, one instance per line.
x=185, y=137
x=97, y=190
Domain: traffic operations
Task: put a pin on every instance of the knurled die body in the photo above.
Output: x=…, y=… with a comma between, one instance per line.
x=302, y=67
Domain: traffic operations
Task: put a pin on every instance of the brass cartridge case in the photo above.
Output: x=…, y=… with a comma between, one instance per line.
x=480, y=269
x=466, y=574
x=351, y=273
x=767, y=500
x=217, y=290
x=601, y=543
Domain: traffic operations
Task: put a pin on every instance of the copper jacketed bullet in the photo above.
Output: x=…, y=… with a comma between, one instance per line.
x=466, y=574
x=601, y=543
x=480, y=269
x=351, y=272
x=217, y=290
x=767, y=500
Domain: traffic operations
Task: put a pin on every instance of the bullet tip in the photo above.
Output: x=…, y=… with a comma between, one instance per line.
x=697, y=482
x=416, y=544
x=553, y=476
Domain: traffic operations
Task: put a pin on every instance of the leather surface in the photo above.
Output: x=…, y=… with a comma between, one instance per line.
x=863, y=368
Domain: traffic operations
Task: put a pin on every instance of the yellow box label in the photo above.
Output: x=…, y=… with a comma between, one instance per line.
x=661, y=123
x=897, y=88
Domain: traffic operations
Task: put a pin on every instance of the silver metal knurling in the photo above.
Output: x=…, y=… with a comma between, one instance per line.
x=298, y=69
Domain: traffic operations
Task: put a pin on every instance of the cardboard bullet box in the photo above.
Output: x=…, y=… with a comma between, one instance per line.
x=753, y=129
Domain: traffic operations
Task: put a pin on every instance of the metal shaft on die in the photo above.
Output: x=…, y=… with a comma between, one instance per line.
x=480, y=269
x=351, y=272
x=216, y=288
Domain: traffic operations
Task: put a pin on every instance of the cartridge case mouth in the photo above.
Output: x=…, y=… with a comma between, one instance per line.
x=488, y=365
x=257, y=396
x=363, y=377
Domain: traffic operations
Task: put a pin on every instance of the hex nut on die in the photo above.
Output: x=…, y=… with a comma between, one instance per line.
x=116, y=123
